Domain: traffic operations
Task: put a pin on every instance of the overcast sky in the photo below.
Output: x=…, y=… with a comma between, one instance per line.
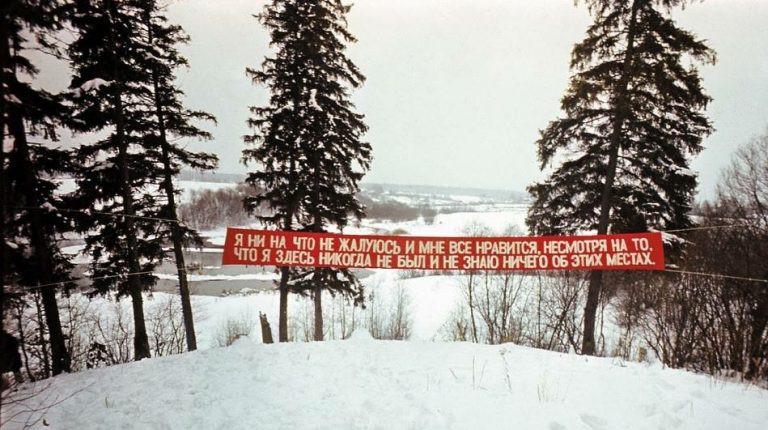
x=457, y=90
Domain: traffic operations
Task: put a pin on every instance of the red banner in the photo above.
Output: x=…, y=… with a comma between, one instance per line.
x=636, y=251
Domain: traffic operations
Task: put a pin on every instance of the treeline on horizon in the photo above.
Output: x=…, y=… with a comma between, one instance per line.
x=617, y=160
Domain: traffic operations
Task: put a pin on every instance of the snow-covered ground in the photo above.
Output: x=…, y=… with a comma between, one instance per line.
x=365, y=384
x=361, y=383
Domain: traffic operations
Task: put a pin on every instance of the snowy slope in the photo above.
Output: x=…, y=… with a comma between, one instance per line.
x=365, y=384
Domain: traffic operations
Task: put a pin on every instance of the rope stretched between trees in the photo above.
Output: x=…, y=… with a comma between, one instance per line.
x=704, y=227
x=51, y=284
x=717, y=275
x=90, y=212
x=682, y=272
x=119, y=215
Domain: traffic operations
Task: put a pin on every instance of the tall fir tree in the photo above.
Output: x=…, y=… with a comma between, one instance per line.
x=633, y=118
x=307, y=140
x=112, y=96
x=29, y=118
x=172, y=121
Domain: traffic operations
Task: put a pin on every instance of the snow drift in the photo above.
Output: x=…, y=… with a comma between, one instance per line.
x=367, y=384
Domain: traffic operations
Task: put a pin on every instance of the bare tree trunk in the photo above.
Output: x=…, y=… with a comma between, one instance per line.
x=41, y=334
x=285, y=271
x=176, y=234
x=140, y=340
x=266, y=330
x=4, y=60
x=757, y=354
x=41, y=242
x=318, y=278
x=283, y=317
x=318, y=296
x=621, y=113
x=472, y=307
x=23, y=343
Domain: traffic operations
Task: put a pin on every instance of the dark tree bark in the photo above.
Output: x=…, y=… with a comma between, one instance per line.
x=4, y=60
x=266, y=330
x=283, y=317
x=596, y=277
x=140, y=339
x=757, y=351
x=285, y=272
x=318, y=299
x=176, y=233
x=41, y=243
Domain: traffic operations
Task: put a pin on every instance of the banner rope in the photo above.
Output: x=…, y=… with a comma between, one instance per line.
x=717, y=275
x=148, y=272
x=92, y=212
x=682, y=272
x=120, y=215
x=101, y=213
x=704, y=227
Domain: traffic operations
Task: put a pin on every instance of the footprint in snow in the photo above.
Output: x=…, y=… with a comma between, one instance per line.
x=555, y=426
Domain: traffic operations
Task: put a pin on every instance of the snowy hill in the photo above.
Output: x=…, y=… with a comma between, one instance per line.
x=363, y=383
x=366, y=384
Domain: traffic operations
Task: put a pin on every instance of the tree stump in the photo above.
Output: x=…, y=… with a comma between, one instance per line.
x=266, y=330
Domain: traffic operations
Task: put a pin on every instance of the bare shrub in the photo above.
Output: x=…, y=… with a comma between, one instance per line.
x=670, y=323
x=533, y=310
x=391, y=320
x=411, y=273
x=111, y=326
x=386, y=209
x=215, y=208
x=559, y=306
x=301, y=323
x=28, y=326
x=494, y=302
x=97, y=332
x=498, y=306
x=233, y=329
x=457, y=328
x=342, y=317
x=719, y=324
x=387, y=315
x=166, y=327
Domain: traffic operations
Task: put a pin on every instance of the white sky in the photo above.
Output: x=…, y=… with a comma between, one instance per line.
x=457, y=90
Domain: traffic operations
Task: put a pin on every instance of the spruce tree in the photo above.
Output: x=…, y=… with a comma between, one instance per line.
x=307, y=139
x=171, y=122
x=633, y=118
x=337, y=158
x=112, y=96
x=29, y=116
